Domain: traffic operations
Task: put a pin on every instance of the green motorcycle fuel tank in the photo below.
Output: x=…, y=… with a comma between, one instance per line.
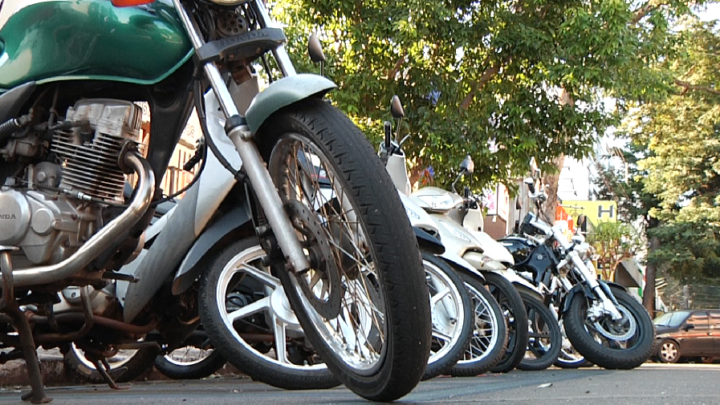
x=51, y=40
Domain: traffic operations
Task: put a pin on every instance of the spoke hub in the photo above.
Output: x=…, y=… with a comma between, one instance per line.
x=281, y=308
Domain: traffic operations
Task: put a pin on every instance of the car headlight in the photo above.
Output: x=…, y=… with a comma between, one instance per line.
x=438, y=202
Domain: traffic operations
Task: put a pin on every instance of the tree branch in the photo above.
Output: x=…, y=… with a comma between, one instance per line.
x=398, y=65
x=690, y=86
x=645, y=10
x=487, y=75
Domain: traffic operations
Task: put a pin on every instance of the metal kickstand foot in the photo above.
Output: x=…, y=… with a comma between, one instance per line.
x=27, y=343
x=102, y=367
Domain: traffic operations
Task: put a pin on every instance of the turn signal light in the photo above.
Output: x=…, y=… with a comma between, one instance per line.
x=130, y=3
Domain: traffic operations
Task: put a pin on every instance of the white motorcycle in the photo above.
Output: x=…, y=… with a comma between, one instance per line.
x=475, y=269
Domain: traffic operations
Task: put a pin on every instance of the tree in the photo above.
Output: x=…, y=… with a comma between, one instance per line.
x=683, y=167
x=615, y=242
x=528, y=76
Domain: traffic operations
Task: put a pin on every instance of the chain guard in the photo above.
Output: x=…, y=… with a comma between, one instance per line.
x=315, y=240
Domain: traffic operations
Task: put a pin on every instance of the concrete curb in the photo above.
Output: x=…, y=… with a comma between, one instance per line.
x=14, y=374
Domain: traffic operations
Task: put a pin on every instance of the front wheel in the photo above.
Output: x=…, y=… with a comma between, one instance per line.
x=545, y=339
x=669, y=351
x=363, y=304
x=451, y=316
x=516, y=316
x=488, y=341
x=622, y=344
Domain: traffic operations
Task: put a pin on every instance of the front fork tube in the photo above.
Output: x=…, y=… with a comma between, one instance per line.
x=253, y=164
x=606, y=303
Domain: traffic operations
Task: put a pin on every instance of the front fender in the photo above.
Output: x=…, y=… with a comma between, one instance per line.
x=190, y=268
x=460, y=264
x=585, y=289
x=427, y=242
x=519, y=282
x=281, y=93
x=581, y=288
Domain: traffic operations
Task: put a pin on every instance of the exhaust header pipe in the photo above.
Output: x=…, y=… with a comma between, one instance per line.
x=103, y=239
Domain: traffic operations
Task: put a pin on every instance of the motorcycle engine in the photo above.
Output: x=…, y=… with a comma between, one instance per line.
x=57, y=203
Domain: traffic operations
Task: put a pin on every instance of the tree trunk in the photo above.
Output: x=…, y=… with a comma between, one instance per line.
x=551, y=182
x=650, y=274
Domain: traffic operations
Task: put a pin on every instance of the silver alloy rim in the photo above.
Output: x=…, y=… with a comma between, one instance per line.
x=187, y=356
x=568, y=354
x=619, y=332
x=357, y=336
x=118, y=360
x=668, y=351
x=274, y=305
x=485, y=330
x=446, y=309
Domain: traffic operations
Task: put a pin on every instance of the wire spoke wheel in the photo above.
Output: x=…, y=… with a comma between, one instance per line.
x=357, y=327
x=362, y=252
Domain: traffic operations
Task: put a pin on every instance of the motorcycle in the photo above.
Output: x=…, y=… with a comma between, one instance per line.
x=492, y=330
x=540, y=349
x=256, y=329
x=601, y=320
x=70, y=134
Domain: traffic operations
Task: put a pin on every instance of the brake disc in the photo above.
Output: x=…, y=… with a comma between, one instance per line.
x=321, y=284
x=613, y=330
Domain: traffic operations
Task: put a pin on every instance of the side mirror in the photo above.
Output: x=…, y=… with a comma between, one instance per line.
x=531, y=184
x=396, y=108
x=315, y=49
x=467, y=165
x=688, y=326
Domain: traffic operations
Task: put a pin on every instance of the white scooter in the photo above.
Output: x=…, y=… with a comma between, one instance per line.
x=450, y=211
x=488, y=342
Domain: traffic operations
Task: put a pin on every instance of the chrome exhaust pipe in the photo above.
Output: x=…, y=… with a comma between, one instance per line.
x=103, y=239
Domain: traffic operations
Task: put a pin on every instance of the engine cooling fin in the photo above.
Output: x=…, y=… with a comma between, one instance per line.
x=91, y=148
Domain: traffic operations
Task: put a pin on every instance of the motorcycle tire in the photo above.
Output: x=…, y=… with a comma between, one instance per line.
x=373, y=281
x=236, y=278
x=544, y=338
x=488, y=341
x=610, y=354
x=181, y=368
x=451, y=316
x=514, y=310
x=136, y=362
x=569, y=358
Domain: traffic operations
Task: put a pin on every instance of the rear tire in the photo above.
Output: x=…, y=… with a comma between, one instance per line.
x=177, y=367
x=545, y=339
x=516, y=316
x=489, y=338
x=381, y=351
x=138, y=362
x=605, y=352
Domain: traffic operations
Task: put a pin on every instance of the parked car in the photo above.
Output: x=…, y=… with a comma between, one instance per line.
x=688, y=334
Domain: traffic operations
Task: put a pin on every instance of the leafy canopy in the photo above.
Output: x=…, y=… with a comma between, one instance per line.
x=528, y=76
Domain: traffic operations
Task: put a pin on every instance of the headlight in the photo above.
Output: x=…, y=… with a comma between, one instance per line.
x=438, y=202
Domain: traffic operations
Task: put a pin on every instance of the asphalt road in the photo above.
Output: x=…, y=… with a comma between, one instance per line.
x=650, y=384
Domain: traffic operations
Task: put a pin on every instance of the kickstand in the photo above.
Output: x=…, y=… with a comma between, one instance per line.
x=102, y=367
x=27, y=343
